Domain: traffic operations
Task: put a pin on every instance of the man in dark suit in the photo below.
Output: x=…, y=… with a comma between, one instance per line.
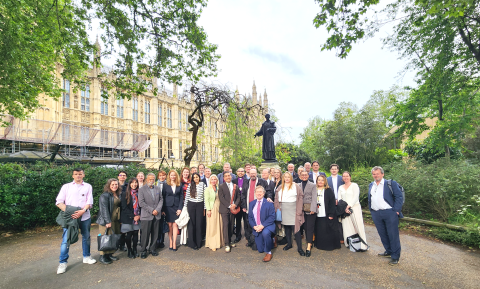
x=162, y=175
x=226, y=168
x=241, y=178
x=291, y=170
x=386, y=207
x=335, y=181
x=270, y=188
x=151, y=201
x=248, y=195
x=313, y=175
x=229, y=195
x=261, y=217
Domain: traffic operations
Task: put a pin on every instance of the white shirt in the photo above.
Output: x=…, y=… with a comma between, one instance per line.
x=321, y=203
x=289, y=196
x=377, y=201
x=315, y=176
x=230, y=188
x=335, y=186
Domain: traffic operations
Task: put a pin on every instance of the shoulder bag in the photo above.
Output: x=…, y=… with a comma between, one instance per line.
x=237, y=208
x=108, y=242
x=278, y=213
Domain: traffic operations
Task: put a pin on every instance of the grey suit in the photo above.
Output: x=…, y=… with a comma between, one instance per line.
x=150, y=200
x=310, y=197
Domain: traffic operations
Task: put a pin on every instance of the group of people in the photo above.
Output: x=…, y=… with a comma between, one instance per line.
x=272, y=208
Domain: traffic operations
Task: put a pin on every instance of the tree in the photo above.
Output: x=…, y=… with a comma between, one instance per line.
x=439, y=39
x=237, y=144
x=147, y=38
x=216, y=102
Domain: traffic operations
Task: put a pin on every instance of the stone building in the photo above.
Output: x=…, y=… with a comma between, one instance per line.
x=84, y=126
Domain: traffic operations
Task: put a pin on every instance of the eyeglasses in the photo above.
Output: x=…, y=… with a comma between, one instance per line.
x=122, y=175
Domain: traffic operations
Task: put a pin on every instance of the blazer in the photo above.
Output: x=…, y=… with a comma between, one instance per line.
x=220, y=178
x=225, y=198
x=209, y=198
x=310, y=176
x=394, y=200
x=235, y=181
x=310, y=195
x=149, y=204
x=171, y=198
x=267, y=216
x=127, y=210
x=246, y=186
x=330, y=205
x=339, y=182
x=105, y=210
x=294, y=175
x=270, y=190
x=299, y=216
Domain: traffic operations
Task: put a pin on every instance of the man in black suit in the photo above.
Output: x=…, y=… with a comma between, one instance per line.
x=313, y=175
x=239, y=181
x=248, y=195
x=229, y=195
x=335, y=181
x=270, y=190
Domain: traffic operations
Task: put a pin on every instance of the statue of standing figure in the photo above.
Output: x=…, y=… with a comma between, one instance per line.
x=267, y=131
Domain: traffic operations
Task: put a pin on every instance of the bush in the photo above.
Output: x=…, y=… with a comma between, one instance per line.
x=28, y=194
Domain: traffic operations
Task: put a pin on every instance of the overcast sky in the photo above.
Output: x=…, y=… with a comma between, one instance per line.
x=274, y=43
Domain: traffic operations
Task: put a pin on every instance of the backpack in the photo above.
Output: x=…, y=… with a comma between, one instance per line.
x=389, y=183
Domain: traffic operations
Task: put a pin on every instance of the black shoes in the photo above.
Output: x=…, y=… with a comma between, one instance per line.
x=144, y=254
x=105, y=260
x=161, y=245
x=130, y=254
x=154, y=253
x=122, y=248
x=113, y=258
x=288, y=247
x=301, y=252
x=393, y=262
x=195, y=248
x=283, y=242
x=308, y=254
x=135, y=253
x=236, y=241
x=384, y=254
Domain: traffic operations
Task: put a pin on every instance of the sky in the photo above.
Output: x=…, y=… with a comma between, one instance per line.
x=275, y=44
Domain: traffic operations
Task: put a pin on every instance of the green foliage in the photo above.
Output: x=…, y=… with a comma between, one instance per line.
x=148, y=39
x=469, y=237
x=27, y=195
x=238, y=144
x=290, y=153
x=354, y=137
x=427, y=152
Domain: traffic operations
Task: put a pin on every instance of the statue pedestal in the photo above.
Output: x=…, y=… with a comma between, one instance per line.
x=268, y=165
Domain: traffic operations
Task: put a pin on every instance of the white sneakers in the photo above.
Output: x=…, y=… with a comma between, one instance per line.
x=89, y=260
x=62, y=267
x=227, y=249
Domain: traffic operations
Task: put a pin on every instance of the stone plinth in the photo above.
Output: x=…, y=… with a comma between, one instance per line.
x=268, y=165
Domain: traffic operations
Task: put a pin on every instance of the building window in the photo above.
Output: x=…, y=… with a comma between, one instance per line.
x=160, y=148
x=170, y=151
x=120, y=108
x=211, y=153
x=147, y=151
x=66, y=93
x=179, y=120
x=135, y=109
x=66, y=133
x=186, y=121
x=197, y=153
x=159, y=115
x=147, y=111
x=104, y=137
x=104, y=102
x=85, y=99
x=169, y=117
x=216, y=130
x=180, y=150
x=216, y=154
x=203, y=152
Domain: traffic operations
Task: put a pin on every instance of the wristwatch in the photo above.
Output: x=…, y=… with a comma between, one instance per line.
x=84, y=210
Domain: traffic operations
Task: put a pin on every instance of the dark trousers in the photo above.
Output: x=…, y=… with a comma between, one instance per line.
x=195, y=211
x=247, y=229
x=149, y=231
x=227, y=221
x=264, y=241
x=298, y=237
x=340, y=230
x=309, y=226
x=238, y=224
x=386, y=222
x=161, y=234
x=132, y=238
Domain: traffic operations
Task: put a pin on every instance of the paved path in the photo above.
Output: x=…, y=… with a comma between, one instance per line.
x=30, y=261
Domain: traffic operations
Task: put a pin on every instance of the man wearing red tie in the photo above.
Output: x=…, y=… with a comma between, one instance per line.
x=261, y=217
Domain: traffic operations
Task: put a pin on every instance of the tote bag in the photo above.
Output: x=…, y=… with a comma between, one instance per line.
x=108, y=242
x=278, y=213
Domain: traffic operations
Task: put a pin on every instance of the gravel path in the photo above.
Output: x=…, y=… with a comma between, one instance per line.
x=31, y=260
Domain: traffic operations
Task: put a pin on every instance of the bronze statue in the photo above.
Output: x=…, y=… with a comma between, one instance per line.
x=267, y=131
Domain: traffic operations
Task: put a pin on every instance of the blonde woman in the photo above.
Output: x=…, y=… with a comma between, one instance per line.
x=172, y=205
x=350, y=193
x=141, y=179
x=289, y=200
x=214, y=235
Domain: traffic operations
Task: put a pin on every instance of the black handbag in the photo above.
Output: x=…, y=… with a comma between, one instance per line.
x=165, y=228
x=108, y=242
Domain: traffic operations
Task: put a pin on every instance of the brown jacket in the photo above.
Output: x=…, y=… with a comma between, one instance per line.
x=299, y=219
